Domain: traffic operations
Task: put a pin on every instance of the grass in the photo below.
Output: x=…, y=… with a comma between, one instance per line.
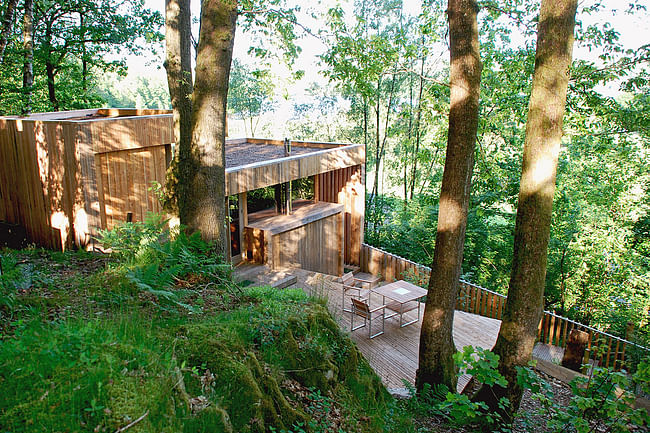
x=158, y=338
x=90, y=343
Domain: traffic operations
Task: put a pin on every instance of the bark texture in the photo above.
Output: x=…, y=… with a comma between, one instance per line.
x=436, y=365
x=178, y=63
x=523, y=307
x=28, y=60
x=7, y=24
x=205, y=207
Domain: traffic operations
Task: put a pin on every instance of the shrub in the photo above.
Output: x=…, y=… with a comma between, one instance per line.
x=156, y=258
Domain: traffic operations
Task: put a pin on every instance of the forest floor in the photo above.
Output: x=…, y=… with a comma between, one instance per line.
x=88, y=344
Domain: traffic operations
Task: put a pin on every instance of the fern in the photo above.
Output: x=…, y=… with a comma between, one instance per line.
x=156, y=258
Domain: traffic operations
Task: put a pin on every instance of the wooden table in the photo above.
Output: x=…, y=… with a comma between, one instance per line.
x=404, y=296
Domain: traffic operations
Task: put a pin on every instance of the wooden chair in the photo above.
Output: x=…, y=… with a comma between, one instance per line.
x=350, y=284
x=362, y=309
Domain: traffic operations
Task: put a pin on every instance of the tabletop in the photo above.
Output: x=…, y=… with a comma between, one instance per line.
x=401, y=291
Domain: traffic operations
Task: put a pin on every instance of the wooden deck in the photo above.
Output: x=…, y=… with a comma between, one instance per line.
x=394, y=355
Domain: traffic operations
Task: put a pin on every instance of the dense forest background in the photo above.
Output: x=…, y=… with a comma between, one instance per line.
x=380, y=78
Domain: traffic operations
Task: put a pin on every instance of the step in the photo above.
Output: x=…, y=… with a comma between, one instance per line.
x=285, y=282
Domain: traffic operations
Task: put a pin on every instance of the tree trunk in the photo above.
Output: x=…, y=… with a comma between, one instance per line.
x=436, y=365
x=178, y=39
x=7, y=23
x=28, y=64
x=51, y=90
x=523, y=308
x=205, y=210
x=84, y=60
x=375, y=185
x=49, y=68
x=418, y=133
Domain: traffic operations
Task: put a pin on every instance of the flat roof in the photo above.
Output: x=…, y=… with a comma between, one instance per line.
x=239, y=154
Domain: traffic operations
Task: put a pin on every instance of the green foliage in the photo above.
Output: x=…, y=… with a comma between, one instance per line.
x=103, y=373
x=603, y=401
x=459, y=409
x=136, y=92
x=155, y=258
x=269, y=360
x=72, y=42
x=481, y=364
x=250, y=94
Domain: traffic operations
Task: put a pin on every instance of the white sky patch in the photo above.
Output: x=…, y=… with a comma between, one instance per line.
x=633, y=29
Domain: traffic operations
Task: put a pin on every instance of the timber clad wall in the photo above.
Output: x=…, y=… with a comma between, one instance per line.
x=299, y=244
x=65, y=175
x=608, y=350
x=345, y=186
x=314, y=246
x=260, y=175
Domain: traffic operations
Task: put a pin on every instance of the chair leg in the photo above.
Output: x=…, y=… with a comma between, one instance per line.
x=354, y=328
x=370, y=335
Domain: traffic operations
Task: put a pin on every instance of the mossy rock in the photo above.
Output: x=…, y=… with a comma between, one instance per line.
x=213, y=419
x=279, y=412
x=329, y=358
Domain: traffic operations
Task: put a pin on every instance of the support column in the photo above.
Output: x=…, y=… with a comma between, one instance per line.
x=226, y=232
x=243, y=222
x=287, y=196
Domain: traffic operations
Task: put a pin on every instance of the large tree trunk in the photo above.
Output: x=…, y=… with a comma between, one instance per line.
x=436, y=365
x=205, y=207
x=28, y=63
x=523, y=308
x=7, y=23
x=178, y=39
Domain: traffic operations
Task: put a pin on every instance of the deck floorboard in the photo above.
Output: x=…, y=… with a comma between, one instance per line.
x=394, y=355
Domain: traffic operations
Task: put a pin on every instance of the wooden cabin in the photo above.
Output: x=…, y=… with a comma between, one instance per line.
x=319, y=233
x=65, y=175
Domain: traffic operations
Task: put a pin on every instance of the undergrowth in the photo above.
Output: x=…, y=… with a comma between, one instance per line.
x=157, y=337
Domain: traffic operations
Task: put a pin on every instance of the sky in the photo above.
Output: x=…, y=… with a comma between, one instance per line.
x=634, y=32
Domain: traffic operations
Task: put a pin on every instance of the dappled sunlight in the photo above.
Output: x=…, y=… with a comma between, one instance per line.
x=74, y=179
x=60, y=221
x=451, y=219
x=539, y=176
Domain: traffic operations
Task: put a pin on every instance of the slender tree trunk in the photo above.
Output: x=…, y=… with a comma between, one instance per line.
x=206, y=209
x=523, y=308
x=418, y=134
x=408, y=139
x=7, y=24
x=365, y=121
x=51, y=90
x=84, y=61
x=28, y=63
x=178, y=39
x=436, y=365
x=381, y=142
x=50, y=71
x=375, y=185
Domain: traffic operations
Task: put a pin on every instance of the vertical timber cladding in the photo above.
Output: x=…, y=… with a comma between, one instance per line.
x=311, y=245
x=51, y=179
x=126, y=176
x=345, y=186
x=130, y=156
x=40, y=185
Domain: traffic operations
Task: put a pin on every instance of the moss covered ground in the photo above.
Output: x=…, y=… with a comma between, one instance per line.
x=90, y=343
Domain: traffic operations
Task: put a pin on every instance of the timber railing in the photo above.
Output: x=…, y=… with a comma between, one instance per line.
x=607, y=349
